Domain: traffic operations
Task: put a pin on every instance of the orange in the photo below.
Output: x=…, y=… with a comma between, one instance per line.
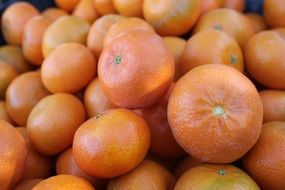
x=207, y=5
x=237, y=5
x=220, y=103
x=267, y=68
x=265, y=162
x=136, y=85
x=53, y=122
x=63, y=30
x=54, y=13
x=14, y=19
x=125, y=26
x=176, y=46
x=104, y=7
x=211, y=176
x=27, y=184
x=95, y=100
x=64, y=182
x=274, y=12
x=228, y=20
x=161, y=135
x=98, y=31
x=211, y=47
x=13, y=55
x=130, y=8
x=23, y=94
x=111, y=144
x=7, y=75
x=148, y=174
x=170, y=17
x=69, y=68
x=257, y=21
x=184, y=165
x=66, y=164
x=13, y=154
x=32, y=39
x=3, y=113
x=273, y=104
x=67, y=5
x=85, y=9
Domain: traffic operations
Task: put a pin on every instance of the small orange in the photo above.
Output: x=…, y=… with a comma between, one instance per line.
x=3, y=113
x=148, y=174
x=274, y=12
x=130, y=8
x=14, y=19
x=237, y=5
x=27, y=184
x=13, y=154
x=207, y=5
x=257, y=21
x=111, y=144
x=7, y=75
x=95, y=100
x=104, y=7
x=67, y=5
x=64, y=182
x=54, y=13
x=211, y=47
x=136, y=85
x=53, y=121
x=184, y=165
x=69, y=68
x=265, y=162
x=23, y=94
x=85, y=9
x=211, y=176
x=32, y=39
x=98, y=31
x=170, y=17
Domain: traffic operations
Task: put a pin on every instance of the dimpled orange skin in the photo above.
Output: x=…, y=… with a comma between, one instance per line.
x=274, y=12
x=237, y=5
x=53, y=121
x=257, y=21
x=37, y=165
x=148, y=174
x=170, y=17
x=104, y=7
x=98, y=32
x=64, y=182
x=184, y=165
x=125, y=26
x=199, y=50
x=13, y=154
x=112, y=144
x=27, y=184
x=67, y=5
x=23, y=94
x=3, y=113
x=7, y=75
x=14, y=19
x=54, y=13
x=129, y=8
x=267, y=68
x=133, y=86
x=215, y=113
x=95, y=100
x=67, y=62
x=32, y=39
x=265, y=162
x=215, y=176
x=228, y=20
x=85, y=9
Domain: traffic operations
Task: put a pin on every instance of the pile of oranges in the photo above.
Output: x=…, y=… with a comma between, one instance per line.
x=142, y=95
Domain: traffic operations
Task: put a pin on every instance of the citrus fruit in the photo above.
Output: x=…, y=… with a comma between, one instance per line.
x=54, y=13
x=27, y=184
x=3, y=112
x=257, y=21
x=274, y=12
x=207, y=5
x=85, y=9
x=237, y=5
x=67, y=5
x=104, y=7
x=130, y=8
x=7, y=75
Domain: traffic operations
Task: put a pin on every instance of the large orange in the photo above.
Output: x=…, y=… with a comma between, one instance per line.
x=229, y=21
x=267, y=68
x=69, y=68
x=170, y=17
x=211, y=176
x=130, y=8
x=53, y=121
x=23, y=94
x=7, y=75
x=104, y=7
x=237, y=5
x=111, y=144
x=67, y=5
x=27, y=184
x=54, y=13
x=199, y=50
x=98, y=31
x=33, y=37
x=3, y=112
x=14, y=19
x=85, y=9
x=265, y=162
x=148, y=174
x=184, y=165
x=136, y=85
x=257, y=21
x=274, y=12
x=215, y=113
x=13, y=153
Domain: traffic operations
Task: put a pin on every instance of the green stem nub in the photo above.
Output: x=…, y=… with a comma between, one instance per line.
x=219, y=111
x=218, y=27
x=97, y=116
x=118, y=59
x=234, y=59
x=221, y=172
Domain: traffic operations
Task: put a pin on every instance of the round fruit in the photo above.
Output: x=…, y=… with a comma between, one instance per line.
x=257, y=21
x=27, y=184
x=136, y=85
x=69, y=68
x=184, y=165
x=130, y=8
x=3, y=112
x=23, y=94
x=274, y=12
x=237, y=5
x=67, y=5
x=210, y=176
x=215, y=113
x=265, y=162
x=13, y=154
x=111, y=144
x=148, y=174
x=85, y=9
x=54, y=13
x=53, y=121
x=207, y=5
x=226, y=51
x=7, y=75
x=104, y=7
